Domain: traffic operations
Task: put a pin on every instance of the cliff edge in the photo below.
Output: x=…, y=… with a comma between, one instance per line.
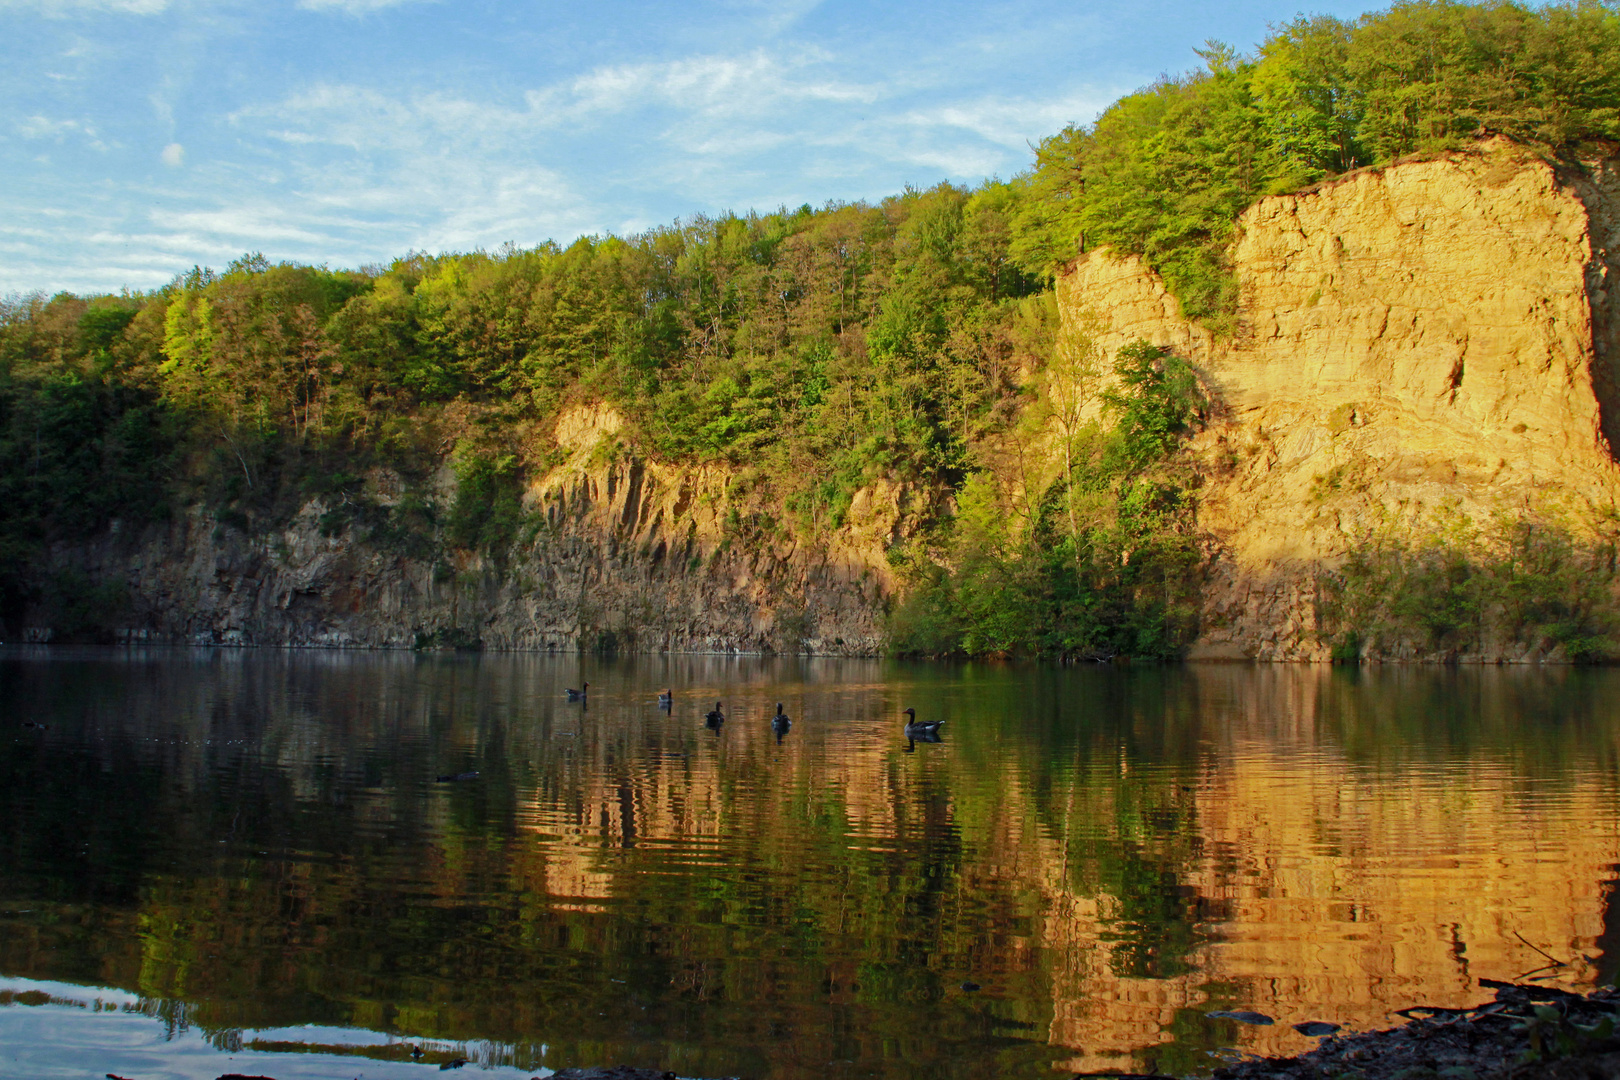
x=1419, y=347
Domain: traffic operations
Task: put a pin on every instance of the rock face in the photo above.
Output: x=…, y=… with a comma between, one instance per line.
x=1432, y=336
x=619, y=553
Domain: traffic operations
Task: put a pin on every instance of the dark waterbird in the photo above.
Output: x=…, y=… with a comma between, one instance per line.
x=578, y=695
x=451, y=779
x=926, y=731
x=714, y=718
x=780, y=723
x=665, y=698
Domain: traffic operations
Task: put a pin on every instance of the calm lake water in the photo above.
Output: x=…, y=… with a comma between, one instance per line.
x=241, y=861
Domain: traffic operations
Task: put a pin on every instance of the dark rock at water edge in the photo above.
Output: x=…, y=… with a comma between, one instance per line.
x=637, y=557
x=1527, y=1032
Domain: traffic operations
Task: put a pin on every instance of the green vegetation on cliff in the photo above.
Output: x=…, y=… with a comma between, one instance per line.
x=814, y=351
x=1165, y=172
x=1097, y=560
x=1453, y=587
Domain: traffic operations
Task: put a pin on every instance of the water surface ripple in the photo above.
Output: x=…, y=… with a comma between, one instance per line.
x=247, y=856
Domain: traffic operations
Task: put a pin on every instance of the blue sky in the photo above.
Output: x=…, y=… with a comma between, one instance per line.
x=141, y=137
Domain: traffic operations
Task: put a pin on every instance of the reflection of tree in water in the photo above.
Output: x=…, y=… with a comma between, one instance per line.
x=1608, y=940
x=1122, y=810
x=634, y=885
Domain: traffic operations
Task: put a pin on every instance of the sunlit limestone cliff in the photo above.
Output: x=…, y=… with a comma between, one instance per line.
x=1422, y=348
x=1401, y=451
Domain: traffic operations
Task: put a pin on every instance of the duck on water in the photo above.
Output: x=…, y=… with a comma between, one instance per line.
x=920, y=730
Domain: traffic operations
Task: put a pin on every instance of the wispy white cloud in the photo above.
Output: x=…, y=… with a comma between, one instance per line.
x=66, y=8
x=327, y=156
x=1012, y=123
x=711, y=88
x=354, y=7
x=714, y=85
x=260, y=223
x=368, y=121
x=41, y=127
x=431, y=171
x=455, y=171
x=773, y=16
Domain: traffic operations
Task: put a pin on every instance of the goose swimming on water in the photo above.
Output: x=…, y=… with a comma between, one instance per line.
x=780, y=723
x=923, y=730
x=714, y=718
x=578, y=695
x=665, y=698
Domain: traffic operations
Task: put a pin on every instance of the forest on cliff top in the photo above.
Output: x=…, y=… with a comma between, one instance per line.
x=813, y=350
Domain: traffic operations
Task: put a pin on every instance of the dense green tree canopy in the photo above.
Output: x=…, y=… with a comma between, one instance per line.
x=812, y=349
x=1165, y=172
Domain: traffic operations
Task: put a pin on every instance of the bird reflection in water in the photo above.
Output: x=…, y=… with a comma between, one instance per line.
x=920, y=731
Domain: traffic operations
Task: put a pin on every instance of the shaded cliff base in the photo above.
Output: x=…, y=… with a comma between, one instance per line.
x=1528, y=1031
x=1527, y=587
x=608, y=551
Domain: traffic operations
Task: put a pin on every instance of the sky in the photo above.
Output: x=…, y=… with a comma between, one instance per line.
x=140, y=138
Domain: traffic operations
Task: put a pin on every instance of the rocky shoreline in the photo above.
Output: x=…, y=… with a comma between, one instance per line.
x=1527, y=1031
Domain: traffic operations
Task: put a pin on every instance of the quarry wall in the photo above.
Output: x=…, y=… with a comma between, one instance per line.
x=1427, y=339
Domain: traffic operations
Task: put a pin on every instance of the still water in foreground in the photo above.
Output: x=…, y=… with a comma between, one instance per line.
x=242, y=861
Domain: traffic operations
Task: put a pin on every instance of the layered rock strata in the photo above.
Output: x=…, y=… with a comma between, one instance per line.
x=620, y=553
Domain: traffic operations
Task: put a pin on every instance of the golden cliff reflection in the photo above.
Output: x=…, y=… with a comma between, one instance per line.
x=1108, y=854
x=1337, y=890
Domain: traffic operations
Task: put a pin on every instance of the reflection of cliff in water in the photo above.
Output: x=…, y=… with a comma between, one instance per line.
x=1109, y=853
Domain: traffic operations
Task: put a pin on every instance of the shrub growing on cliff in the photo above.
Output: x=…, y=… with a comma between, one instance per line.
x=1453, y=588
x=1102, y=561
x=488, y=508
x=1153, y=405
